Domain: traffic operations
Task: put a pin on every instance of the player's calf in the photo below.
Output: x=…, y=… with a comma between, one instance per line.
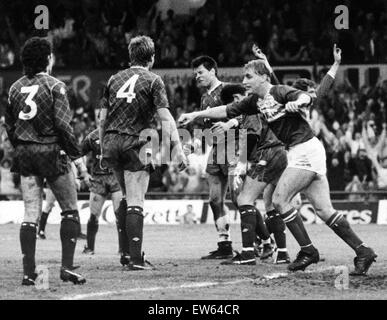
x=134, y=232
x=121, y=227
x=28, y=246
x=276, y=226
x=69, y=231
x=92, y=229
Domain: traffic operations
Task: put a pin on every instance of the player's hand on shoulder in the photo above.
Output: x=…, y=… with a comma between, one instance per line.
x=292, y=106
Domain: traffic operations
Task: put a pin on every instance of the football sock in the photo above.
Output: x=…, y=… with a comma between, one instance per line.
x=248, y=226
x=294, y=223
x=134, y=228
x=121, y=226
x=28, y=246
x=339, y=224
x=43, y=221
x=223, y=228
x=69, y=231
x=276, y=226
x=92, y=229
x=260, y=227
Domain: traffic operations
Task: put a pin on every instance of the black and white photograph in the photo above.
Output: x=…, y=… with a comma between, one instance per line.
x=206, y=151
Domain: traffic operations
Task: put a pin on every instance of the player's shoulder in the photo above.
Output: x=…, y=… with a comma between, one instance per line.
x=51, y=82
x=18, y=84
x=281, y=91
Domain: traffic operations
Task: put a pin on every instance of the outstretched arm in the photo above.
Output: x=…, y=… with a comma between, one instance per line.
x=212, y=113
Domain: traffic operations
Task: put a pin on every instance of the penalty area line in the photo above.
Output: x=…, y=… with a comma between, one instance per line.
x=182, y=286
x=192, y=285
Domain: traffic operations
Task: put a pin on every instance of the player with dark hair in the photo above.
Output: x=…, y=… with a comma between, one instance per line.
x=38, y=125
x=266, y=160
x=103, y=184
x=131, y=99
x=284, y=108
x=219, y=168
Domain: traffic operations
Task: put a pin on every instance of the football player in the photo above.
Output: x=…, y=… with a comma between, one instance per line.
x=131, y=99
x=284, y=109
x=38, y=125
x=103, y=184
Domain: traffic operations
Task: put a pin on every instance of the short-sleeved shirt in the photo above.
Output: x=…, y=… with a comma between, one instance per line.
x=91, y=144
x=132, y=97
x=291, y=128
x=39, y=112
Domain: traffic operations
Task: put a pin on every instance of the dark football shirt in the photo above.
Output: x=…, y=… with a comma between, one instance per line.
x=39, y=112
x=259, y=135
x=210, y=100
x=91, y=144
x=131, y=98
x=291, y=128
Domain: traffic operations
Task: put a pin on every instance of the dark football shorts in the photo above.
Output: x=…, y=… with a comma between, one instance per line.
x=43, y=160
x=268, y=164
x=104, y=184
x=220, y=167
x=123, y=152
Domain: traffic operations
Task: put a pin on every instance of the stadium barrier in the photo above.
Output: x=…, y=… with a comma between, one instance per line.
x=191, y=211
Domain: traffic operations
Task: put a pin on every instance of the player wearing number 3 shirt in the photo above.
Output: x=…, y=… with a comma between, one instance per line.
x=38, y=125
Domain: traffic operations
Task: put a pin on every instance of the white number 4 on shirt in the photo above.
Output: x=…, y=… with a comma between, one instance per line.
x=129, y=95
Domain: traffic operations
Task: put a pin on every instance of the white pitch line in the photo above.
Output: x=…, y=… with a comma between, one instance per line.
x=183, y=286
x=271, y=276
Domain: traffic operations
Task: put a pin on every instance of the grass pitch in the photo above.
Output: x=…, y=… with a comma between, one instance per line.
x=180, y=274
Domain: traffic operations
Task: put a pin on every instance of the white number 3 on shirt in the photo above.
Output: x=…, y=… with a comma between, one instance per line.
x=31, y=90
x=129, y=95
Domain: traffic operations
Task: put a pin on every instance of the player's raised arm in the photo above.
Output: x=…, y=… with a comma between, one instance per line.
x=261, y=56
x=62, y=118
x=329, y=78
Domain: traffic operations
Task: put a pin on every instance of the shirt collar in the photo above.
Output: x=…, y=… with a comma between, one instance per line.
x=141, y=67
x=217, y=84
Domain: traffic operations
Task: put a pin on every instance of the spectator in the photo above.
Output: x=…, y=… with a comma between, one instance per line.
x=7, y=57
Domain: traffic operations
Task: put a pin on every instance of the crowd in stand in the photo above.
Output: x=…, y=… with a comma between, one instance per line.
x=350, y=122
x=95, y=34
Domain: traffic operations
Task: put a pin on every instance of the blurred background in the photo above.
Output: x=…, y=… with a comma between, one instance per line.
x=90, y=43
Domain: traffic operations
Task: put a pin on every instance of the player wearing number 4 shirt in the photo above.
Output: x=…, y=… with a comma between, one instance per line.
x=38, y=125
x=282, y=107
x=131, y=99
